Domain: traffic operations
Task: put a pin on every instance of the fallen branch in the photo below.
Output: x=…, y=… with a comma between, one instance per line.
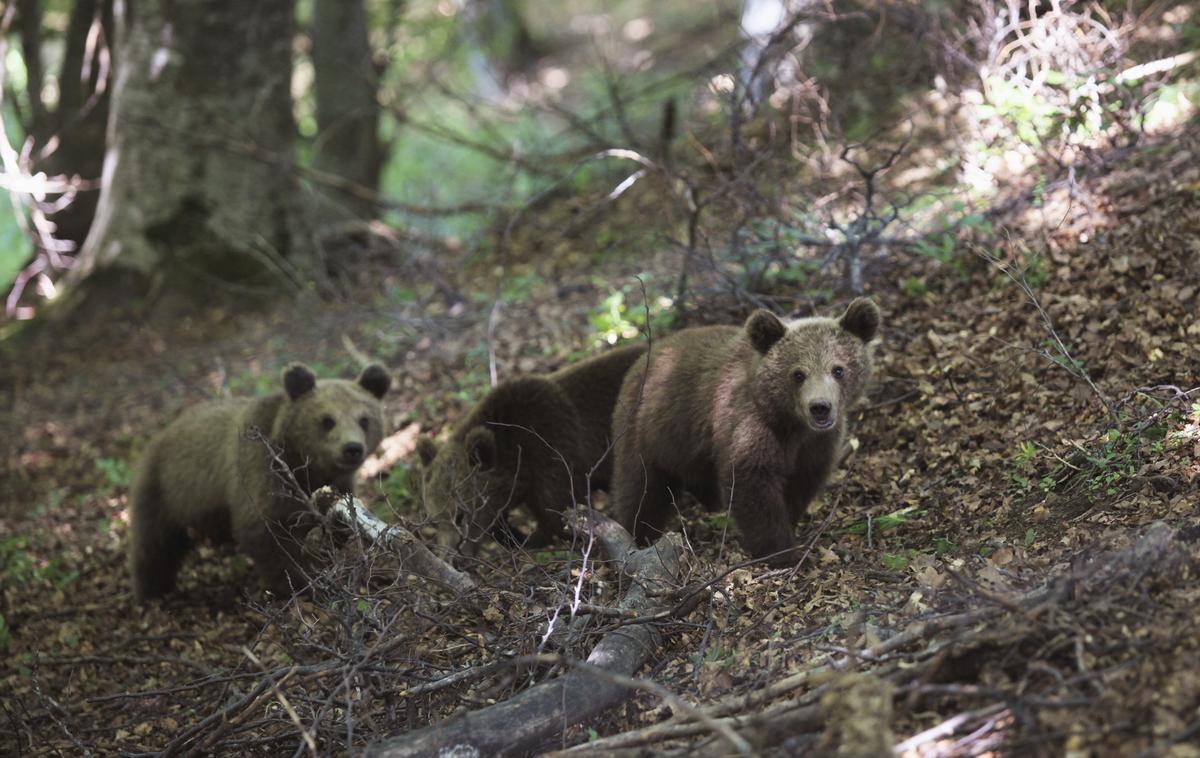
x=413, y=554
x=540, y=716
x=1154, y=551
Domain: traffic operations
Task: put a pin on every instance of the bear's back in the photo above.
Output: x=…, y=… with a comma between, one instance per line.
x=593, y=386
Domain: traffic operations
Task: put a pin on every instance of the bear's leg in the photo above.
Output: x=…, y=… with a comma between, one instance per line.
x=554, y=492
x=642, y=501
x=156, y=546
x=801, y=492
x=277, y=554
x=549, y=524
x=756, y=501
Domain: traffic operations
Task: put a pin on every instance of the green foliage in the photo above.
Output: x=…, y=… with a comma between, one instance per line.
x=616, y=320
x=5, y=634
x=475, y=382
x=18, y=566
x=714, y=654
x=1032, y=115
x=52, y=500
x=253, y=383
x=398, y=487
x=1036, y=271
x=887, y=522
x=1162, y=105
x=1118, y=458
x=914, y=287
x=1026, y=452
x=521, y=286
x=719, y=522
x=403, y=295
x=15, y=246
x=1022, y=482
x=899, y=561
x=945, y=243
x=1052, y=351
x=1025, y=462
x=117, y=472
x=549, y=557
x=768, y=246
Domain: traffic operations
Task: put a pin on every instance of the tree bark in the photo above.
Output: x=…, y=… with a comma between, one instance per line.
x=199, y=189
x=347, y=143
x=79, y=119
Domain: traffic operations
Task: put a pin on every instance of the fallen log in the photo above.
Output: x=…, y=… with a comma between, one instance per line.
x=413, y=554
x=539, y=717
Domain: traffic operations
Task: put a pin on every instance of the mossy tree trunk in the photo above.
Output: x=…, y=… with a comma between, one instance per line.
x=346, y=80
x=200, y=196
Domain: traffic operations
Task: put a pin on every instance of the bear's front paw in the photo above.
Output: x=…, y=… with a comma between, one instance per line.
x=777, y=550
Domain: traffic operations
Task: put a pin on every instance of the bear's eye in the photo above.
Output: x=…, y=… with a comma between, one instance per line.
x=365, y=423
x=327, y=423
x=799, y=376
x=838, y=372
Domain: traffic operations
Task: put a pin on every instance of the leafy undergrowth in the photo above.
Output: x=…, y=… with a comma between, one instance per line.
x=985, y=559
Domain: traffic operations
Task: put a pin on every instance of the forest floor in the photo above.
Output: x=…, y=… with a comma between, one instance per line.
x=985, y=556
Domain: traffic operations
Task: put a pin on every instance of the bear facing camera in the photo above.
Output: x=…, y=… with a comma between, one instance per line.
x=748, y=419
x=217, y=472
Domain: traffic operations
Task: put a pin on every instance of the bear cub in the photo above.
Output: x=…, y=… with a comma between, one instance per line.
x=750, y=419
x=532, y=440
x=209, y=474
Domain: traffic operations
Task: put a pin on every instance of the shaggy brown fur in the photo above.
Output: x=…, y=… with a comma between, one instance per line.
x=751, y=419
x=532, y=440
x=210, y=473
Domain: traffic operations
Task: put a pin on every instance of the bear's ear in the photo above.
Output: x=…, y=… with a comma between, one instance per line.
x=427, y=450
x=861, y=318
x=481, y=447
x=765, y=329
x=375, y=379
x=298, y=380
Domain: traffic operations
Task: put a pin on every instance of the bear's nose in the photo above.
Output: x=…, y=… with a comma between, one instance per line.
x=353, y=452
x=820, y=410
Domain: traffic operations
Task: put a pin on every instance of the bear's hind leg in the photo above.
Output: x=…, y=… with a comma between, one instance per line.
x=156, y=547
x=642, y=501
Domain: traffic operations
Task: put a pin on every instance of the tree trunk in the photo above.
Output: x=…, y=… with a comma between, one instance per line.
x=200, y=190
x=78, y=121
x=347, y=143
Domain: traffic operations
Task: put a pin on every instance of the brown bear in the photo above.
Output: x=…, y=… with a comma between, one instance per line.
x=750, y=419
x=211, y=473
x=537, y=440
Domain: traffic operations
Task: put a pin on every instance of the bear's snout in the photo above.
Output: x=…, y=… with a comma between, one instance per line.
x=821, y=413
x=353, y=453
